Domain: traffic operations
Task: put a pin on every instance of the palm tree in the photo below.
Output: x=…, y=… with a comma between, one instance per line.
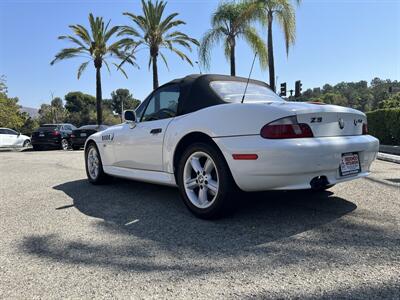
x=155, y=32
x=285, y=13
x=95, y=46
x=230, y=22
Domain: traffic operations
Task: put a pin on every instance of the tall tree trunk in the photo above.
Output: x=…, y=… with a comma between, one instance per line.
x=271, y=53
x=232, y=58
x=155, y=72
x=98, y=96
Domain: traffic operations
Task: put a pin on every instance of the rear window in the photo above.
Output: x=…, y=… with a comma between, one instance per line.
x=232, y=91
x=48, y=128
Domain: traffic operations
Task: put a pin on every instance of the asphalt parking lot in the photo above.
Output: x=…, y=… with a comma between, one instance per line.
x=61, y=237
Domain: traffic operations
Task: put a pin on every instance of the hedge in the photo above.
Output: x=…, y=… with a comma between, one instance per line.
x=385, y=125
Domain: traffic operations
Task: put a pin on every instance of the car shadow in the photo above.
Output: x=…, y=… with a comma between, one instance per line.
x=157, y=213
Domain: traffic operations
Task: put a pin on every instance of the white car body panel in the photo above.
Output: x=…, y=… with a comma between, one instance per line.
x=138, y=148
x=292, y=163
x=12, y=140
x=235, y=128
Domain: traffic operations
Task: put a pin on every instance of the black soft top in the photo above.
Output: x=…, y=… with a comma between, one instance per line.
x=196, y=92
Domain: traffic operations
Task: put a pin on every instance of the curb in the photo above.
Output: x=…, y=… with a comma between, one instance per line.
x=389, y=149
x=389, y=157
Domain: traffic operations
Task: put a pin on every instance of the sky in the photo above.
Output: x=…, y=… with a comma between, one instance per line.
x=336, y=40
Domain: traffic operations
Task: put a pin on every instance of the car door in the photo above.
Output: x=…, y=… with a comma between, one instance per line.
x=10, y=138
x=140, y=146
x=2, y=137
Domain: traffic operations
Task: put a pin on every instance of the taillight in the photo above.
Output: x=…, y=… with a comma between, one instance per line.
x=72, y=135
x=286, y=128
x=56, y=133
x=365, y=128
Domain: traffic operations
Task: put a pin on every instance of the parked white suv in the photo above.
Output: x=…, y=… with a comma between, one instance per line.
x=11, y=138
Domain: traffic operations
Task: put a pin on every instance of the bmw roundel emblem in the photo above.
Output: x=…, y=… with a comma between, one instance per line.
x=341, y=123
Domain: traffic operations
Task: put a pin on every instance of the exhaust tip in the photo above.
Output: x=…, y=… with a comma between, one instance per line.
x=319, y=182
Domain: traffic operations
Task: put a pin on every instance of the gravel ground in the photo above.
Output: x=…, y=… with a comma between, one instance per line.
x=61, y=237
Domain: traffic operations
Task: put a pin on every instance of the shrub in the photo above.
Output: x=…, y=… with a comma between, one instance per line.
x=385, y=125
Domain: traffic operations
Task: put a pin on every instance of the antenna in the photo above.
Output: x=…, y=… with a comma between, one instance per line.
x=197, y=63
x=248, y=78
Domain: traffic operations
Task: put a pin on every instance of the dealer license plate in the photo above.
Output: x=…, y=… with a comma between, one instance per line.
x=41, y=134
x=83, y=134
x=350, y=164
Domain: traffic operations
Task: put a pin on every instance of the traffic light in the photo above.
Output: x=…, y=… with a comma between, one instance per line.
x=283, y=89
x=297, y=90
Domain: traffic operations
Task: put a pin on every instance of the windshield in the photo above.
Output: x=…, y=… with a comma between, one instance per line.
x=232, y=91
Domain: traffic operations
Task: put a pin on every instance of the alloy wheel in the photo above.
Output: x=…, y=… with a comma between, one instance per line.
x=200, y=179
x=64, y=144
x=93, y=163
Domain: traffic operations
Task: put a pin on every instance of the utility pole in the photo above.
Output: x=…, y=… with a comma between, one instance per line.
x=52, y=109
x=122, y=108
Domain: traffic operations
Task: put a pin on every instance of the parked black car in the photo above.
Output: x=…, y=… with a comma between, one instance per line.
x=79, y=136
x=52, y=136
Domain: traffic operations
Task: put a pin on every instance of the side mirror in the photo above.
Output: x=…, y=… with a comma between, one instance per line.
x=19, y=133
x=129, y=116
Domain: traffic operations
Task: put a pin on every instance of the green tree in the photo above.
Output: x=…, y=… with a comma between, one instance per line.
x=155, y=33
x=10, y=116
x=392, y=102
x=284, y=12
x=53, y=112
x=120, y=96
x=3, y=86
x=81, y=108
x=229, y=22
x=30, y=124
x=97, y=47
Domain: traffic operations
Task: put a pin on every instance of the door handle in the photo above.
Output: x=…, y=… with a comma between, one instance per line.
x=156, y=131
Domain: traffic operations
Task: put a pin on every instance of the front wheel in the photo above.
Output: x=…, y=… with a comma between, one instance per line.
x=27, y=143
x=205, y=182
x=94, y=166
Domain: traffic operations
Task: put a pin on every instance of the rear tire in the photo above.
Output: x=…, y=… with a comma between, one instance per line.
x=94, y=165
x=64, y=144
x=205, y=182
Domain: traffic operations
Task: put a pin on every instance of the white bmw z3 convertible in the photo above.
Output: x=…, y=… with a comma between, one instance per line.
x=199, y=133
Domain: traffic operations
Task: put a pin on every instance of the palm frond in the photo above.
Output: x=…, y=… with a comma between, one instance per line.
x=74, y=40
x=257, y=44
x=67, y=53
x=165, y=60
x=121, y=70
x=82, y=68
x=107, y=66
x=287, y=19
x=154, y=30
x=212, y=37
x=95, y=44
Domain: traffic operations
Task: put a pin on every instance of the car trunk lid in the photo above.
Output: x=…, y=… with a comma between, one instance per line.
x=326, y=120
x=45, y=132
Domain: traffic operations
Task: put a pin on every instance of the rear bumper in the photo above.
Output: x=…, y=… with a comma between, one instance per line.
x=78, y=141
x=293, y=163
x=56, y=142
